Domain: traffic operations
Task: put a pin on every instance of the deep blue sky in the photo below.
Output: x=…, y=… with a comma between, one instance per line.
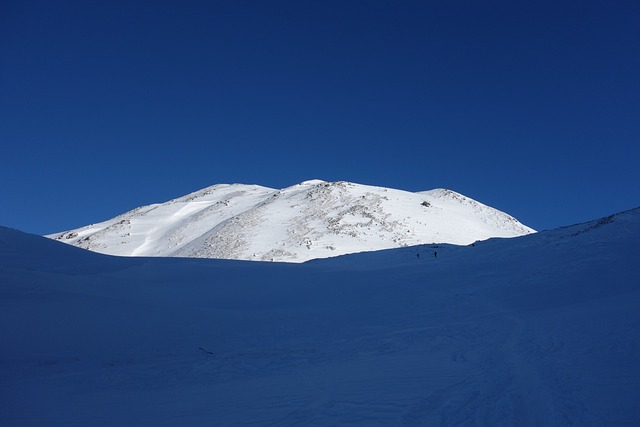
x=530, y=107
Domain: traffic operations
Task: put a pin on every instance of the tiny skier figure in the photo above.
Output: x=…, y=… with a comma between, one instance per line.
x=418, y=256
x=435, y=254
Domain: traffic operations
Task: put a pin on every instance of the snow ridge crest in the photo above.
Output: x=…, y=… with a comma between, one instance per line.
x=312, y=219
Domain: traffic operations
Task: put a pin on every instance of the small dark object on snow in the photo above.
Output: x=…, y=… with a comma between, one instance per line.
x=206, y=351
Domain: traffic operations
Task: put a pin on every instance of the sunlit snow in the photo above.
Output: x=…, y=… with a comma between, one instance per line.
x=314, y=219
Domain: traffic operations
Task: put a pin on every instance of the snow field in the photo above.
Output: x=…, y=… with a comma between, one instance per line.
x=536, y=330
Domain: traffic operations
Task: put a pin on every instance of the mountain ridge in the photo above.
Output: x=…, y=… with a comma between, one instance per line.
x=312, y=219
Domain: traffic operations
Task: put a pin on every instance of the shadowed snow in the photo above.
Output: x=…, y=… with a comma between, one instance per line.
x=536, y=330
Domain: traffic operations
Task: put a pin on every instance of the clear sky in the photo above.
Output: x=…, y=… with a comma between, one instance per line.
x=529, y=107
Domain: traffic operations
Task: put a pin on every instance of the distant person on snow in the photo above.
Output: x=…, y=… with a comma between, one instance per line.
x=435, y=254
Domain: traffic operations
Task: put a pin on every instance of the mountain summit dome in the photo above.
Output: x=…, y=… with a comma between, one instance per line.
x=313, y=219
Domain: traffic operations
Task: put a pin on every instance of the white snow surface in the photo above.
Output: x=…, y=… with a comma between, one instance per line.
x=313, y=219
x=539, y=330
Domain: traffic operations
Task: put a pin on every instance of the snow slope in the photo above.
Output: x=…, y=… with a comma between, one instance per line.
x=314, y=219
x=537, y=330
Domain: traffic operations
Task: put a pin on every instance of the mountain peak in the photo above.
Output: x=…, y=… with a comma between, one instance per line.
x=312, y=219
x=312, y=182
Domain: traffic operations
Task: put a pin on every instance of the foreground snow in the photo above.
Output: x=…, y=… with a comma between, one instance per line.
x=314, y=219
x=537, y=330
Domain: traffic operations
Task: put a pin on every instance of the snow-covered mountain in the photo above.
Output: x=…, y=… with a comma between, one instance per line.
x=313, y=219
x=539, y=330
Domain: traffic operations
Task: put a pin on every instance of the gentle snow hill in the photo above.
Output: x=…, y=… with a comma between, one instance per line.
x=539, y=330
x=313, y=219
